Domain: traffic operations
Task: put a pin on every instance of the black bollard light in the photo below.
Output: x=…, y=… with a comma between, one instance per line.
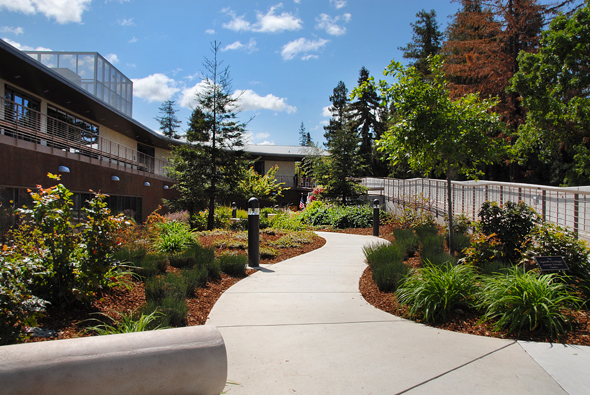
x=253, y=232
x=376, y=217
x=234, y=210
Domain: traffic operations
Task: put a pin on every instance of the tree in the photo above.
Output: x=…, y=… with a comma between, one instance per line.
x=365, y=119
x=426, y=41
x=555, y=86
x=168, y=121
x=435, y=133
x=264, y=187
x=209, y=166
x=336, y=172
x=304, y=138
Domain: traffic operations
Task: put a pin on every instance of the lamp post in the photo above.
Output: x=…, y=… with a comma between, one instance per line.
x=234, y=210
x=376, y=217
x=253, y=232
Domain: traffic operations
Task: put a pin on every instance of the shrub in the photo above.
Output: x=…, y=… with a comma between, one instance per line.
x=552, y=240
x=194, y=279
x=127, y=324
x=174, y=237
x=268, y=253
x=511, y=223
x=435, y=291
x=155, y=289
x=212, y=267
x=483, y=249
x=381, y=254
x=415, y=216
x=187, y=258
x=423, y=231
x=233, y=264
x=407, y=239
x=461, y=225
x=151, y=265
x=462, y=242
x=526, y=300
x=389, y=276
x=177, y=216
x=174, y=312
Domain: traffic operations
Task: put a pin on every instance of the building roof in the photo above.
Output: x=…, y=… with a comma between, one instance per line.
x=293, y=152
x=23, y=71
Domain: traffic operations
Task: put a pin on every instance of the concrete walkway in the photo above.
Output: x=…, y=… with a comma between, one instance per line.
x=301, y=326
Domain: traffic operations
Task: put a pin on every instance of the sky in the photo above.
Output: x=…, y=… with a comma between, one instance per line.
x=285, y=58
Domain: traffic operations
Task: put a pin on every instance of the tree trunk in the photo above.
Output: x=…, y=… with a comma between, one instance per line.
x=450, y=210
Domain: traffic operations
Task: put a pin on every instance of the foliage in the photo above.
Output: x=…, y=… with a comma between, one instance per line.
x=387, y=264
x=194, y=278
x=511, y=223
x=461, y=224
x=174, y=237
x=169, y=123
x=554, y=83
x=209, y=166
x=435, y=291
x=414, y=217
x=150, y=265
x=233, y=264
x=128, y=323
x=339, y=217
x=426, y=41
x=552, y=240
x=268, y=253
x=521, y=300
x=18, y=306
x=389, y=277
x=265, y=187
x=483, y=249
x=304, y=138
x=336, y=172
x=407, y=239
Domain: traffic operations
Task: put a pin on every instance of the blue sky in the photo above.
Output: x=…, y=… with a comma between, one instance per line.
x=286, y=57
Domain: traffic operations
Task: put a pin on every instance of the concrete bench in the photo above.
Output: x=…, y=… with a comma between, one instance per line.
x=189, y=360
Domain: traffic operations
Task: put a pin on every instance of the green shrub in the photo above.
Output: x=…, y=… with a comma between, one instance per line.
x=287, y=221
x=521, y=300
x=511, y=223
x=173, y=312
x=151, y=265
x=194, y=279
x=462, y=242
x=483, y=249
x=174, y=237
x=156, y=289
x=552, y=240
x=213, y=269
x=268, y=253
x=461, y=225
x=423, y=231
x=382, y=254
x=435, y=291
x=187, y=258
x=233, y=264
x=433, y=249
x=414, y=217
x=389, y=276
x=130, y=254
x=407, y=239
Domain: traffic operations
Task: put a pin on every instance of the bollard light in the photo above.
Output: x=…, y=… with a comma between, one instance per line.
x=253, y=232
x=234, y=210
x=376, y=217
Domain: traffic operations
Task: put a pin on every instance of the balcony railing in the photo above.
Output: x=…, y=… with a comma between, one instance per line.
x=28, y=128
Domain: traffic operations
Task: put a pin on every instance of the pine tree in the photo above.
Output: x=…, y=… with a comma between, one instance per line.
x=365, y=114
x=426, y=41
x=304, y=138
x=337, y=171
x=209, y=166
x=169, y=123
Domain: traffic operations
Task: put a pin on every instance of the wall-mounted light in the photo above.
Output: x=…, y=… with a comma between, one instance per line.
x=115, y=178
x=147, y=184
x=63, y=169
x=166, y=187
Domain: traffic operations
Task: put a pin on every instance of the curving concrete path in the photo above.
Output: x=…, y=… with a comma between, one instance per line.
x=301, y=326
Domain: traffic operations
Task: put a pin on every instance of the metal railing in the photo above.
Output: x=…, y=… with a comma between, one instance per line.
x=49, y=134
x=566, y=207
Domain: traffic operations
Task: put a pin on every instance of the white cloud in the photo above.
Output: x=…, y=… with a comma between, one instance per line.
x=293, y=48
x=326, y=112
x=133, y=40
x=330, y=25
x=131, y=65
x=265, y=23
x=266, y=142
x=156, y=87
x=250, y=100
x=297, y=1
x=262, y=135
x=338, y=3
x=249, y=48
x=324, y=123
x=188, y=95
x=127, y=22
x=307, y=57
x=14, y=30
x=210, y=31
x=63, y=11
x=24, y=47
x=113, y=58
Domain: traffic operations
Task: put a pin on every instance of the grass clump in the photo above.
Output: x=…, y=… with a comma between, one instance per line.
x=521, y=300
x=194, y=279
x=434, y=291
x=233, y=264
x=128, y=323
x=268, y=253
x=387, y=264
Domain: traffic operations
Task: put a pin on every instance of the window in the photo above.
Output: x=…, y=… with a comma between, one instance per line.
x=146, y=157
x=259, y=167
x=23, y=112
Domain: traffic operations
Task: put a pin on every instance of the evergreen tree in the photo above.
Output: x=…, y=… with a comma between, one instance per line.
x=336, y=172
x=169, y=123
x=365, y=114
x=426, y=41
x=210, y=165
x=304, y=138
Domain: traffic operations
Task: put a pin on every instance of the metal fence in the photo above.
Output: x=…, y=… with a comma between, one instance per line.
x=566, y=207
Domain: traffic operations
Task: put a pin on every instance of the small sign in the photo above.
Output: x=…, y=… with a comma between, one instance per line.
x=551, y=263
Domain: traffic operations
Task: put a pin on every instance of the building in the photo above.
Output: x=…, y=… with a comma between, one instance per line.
x=70, y=113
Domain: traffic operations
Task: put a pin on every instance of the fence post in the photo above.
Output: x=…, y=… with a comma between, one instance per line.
x=576, y=213
x=544, y=205
x=501, y=194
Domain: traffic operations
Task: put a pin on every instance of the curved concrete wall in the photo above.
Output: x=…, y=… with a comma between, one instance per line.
x=189, y=360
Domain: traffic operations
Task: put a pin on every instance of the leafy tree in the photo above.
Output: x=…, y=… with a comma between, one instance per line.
x=336, y=172
x=209, y=166
x=435, y=133
x=304, y=138
x=365, y=118
x=168, y=120
x=426, y=41
x=555, y=85
x=266, y=188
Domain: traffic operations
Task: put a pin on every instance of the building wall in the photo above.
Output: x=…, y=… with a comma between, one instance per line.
x=285, y=168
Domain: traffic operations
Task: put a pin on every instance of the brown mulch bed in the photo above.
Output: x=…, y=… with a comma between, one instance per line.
x=70, y=322
x=466, y=321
